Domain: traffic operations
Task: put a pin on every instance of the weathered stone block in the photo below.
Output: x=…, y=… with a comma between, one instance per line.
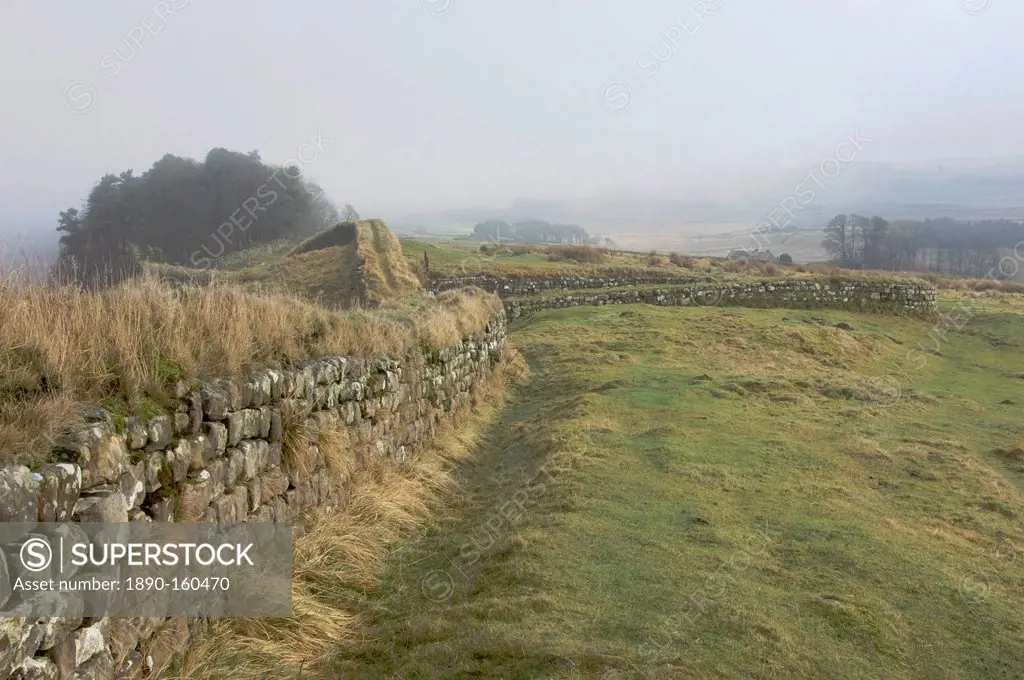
x=153, y=464
x=217, y=434
x=135, y=431
x=133, y=485
x=203, y=451
x=216, y=469
x=273, y=482
x=253, y=454
x=276, y=426
x=99, y=667
x=90, y=642
x=233, y=467
x=244, y=424
x=194, y=498
x=36, y=668
x=19, y=495
x=266, y=415
x=240, y=497
x=69, y=609
x=265, y=513
x=101, y=505
x=62, y=655
x=181, y=423
x=214, y=400
x=280, y=506
x=176, y=463
x=19, y=638
x=160, y=432
x=253, y=488
x=274, y=454
x=102, y=454
x=234, y=391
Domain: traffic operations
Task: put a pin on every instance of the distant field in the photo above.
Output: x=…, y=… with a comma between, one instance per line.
x=702, y=493
x=804, y=245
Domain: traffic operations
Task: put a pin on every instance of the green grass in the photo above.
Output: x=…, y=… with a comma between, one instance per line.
x=702, y=493
x=463, y=258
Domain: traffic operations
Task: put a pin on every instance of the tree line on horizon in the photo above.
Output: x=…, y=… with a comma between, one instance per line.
x=943, y=245
x=187, y=212
x=537, y=232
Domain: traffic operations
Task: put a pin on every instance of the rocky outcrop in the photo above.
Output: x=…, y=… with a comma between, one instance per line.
x=216, y=456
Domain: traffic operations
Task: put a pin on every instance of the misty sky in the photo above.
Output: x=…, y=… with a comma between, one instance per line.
x=447, y=103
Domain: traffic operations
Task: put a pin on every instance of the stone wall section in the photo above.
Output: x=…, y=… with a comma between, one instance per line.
x=520, y=286
x=216, y=455
x=851, y=295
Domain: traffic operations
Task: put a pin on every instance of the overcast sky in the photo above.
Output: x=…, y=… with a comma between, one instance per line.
x=446, y=103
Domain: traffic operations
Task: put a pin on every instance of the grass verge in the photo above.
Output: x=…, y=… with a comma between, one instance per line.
x=341, y=554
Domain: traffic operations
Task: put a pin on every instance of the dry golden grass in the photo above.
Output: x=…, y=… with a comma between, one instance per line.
x=577, y=253
x=61, y=346
x=309, y=438
x=328, y=277
x=341, y=556
x=386, y=272
x=353, y=264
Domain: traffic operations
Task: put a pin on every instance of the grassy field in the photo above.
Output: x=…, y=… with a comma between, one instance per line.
x=708, y=493
x=463, y=258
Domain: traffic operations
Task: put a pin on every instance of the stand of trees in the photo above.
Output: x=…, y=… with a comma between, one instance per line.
x=532, y=231
x=191, y=213
x=944, y=245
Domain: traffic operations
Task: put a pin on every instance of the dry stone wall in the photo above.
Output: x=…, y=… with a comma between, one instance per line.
x=851, y=295
x=520, y=286
x=216, y=456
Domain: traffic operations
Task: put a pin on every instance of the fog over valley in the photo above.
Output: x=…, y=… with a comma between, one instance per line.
x=669, y=120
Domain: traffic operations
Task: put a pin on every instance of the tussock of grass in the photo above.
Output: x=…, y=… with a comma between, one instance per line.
x=309, y=438
x=339, y=559
x=585, y=254
x=60, y=346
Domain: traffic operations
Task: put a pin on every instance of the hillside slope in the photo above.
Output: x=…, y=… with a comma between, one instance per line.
x=385, y=271
x=352, y=264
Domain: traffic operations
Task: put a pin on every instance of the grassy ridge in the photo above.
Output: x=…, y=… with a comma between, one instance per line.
x=709, y=494
x=385, y=270
x=349, y=265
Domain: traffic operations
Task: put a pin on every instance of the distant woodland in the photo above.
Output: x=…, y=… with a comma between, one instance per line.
x=532, y=231
x=944, y=246
x=188, y=212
